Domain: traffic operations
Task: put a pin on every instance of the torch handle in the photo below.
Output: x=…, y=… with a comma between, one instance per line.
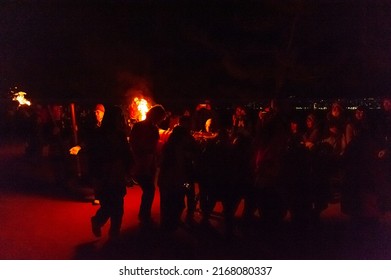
x=74, y=124
x=75, y=138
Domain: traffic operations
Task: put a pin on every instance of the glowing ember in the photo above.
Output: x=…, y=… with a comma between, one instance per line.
x=20, y=97
x=142, y=107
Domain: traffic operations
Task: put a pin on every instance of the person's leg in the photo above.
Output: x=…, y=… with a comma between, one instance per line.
x=101, y=216
x=190, y=201
x=164, y=207
x=148, y=187
x=117, y=212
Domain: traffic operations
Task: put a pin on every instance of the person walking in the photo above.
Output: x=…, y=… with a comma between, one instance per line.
x=144, y=139
x=90, y=146
x=176, y=177
x=113, y=162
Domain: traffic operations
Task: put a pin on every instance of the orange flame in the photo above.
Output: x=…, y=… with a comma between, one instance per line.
x=142, y=107
x=20, y=97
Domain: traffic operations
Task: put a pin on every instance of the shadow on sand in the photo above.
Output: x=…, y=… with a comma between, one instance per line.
x=324, y=241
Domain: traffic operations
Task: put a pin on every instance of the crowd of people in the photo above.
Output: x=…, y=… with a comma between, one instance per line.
x=277, y=162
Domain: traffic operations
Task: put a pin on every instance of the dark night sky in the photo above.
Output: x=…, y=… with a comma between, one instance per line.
x=193, y=49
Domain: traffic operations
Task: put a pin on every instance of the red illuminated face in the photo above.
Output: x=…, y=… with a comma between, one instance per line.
x=359, y=114
x=387, y=105
x=336, y=111
x=57, y=112
x=294, y=126
x=310, y=123
x=99, y=115
x=240, y=111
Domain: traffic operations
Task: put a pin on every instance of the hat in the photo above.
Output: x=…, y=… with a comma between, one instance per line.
x=100, y=107
x=157, y=113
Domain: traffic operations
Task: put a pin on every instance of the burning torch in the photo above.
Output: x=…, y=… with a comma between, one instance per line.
x=20, y=97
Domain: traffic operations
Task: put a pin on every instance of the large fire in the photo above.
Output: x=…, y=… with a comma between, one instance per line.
x=142, y=107
x=20, y=97
x=139, y=108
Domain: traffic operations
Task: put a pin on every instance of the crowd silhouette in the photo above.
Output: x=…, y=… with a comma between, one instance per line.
x=276, y=161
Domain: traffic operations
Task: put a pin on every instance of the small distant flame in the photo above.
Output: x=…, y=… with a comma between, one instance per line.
x=20, y=97
x=142, y=107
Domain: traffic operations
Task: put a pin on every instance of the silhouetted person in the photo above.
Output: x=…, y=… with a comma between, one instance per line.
x=58, y=143
x=190, y=195
x=176, y=176
x=223, y=175
x=113, y=164
x=360, y=195
x=270, y=145
x=318, y=166
x=241, y=123
x=295, y=171
x=335, y=118
x=144, y=138
x=90, y=145
x=312, y=133
x=37, y=127
x=212, y=172
x=202, y=113
x=383, y=136
x=357, y=124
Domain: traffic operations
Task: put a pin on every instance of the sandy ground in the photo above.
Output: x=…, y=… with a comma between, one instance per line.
x=43, y=221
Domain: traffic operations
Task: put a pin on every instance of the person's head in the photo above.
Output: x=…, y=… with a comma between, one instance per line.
x=185, y=121
x=177, y=135
x=387, y=104
x=187, y=112
x=99, y=112
x=294, y=125
x=336, y=109
x=240, y=111
x=114, y=119
x=208, y=104
x=56, y=112
x=262, y=114
x=156, y=114
x=359, y=114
